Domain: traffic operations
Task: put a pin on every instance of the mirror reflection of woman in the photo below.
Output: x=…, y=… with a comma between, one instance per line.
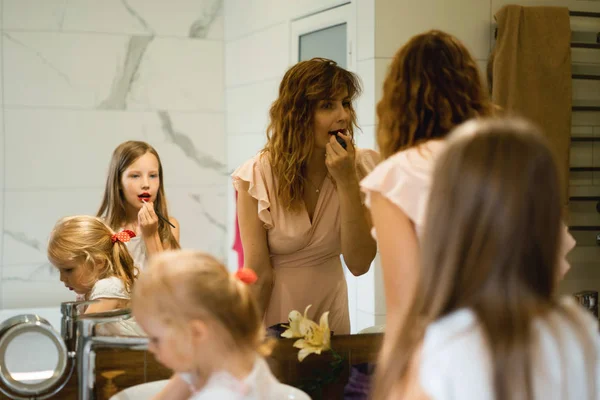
x=299, y=203
x=433, y=85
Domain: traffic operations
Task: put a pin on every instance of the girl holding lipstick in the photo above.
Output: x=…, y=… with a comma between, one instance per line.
x=299, y=203
x=134, y=199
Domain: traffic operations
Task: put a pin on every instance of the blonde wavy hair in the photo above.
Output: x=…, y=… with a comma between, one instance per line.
x=86, y=241
x=112, y=209
x=183, y=285
x=290, y=136
x=432, y=85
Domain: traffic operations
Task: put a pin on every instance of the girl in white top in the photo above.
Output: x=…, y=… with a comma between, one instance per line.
x=486, y=323
x=204, y=324
x=94, y=262
x=133, y=195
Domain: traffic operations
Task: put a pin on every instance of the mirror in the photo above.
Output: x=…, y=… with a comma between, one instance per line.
x=33, y=356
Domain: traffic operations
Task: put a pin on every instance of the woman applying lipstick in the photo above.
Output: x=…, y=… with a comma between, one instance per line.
x=134, y=199
x=299, y=203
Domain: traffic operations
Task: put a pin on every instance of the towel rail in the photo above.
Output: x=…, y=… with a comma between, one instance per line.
x=584, y=169
x=584, y=14
x=585, y=139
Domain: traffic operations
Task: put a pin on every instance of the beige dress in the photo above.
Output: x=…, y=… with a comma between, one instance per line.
x=305, y=256
x=405, y=179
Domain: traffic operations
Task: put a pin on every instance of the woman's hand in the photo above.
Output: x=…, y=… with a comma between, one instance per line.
x=339, y=161
x=147, y=220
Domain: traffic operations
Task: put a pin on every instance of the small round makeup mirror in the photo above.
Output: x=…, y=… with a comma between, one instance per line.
x=33, y=356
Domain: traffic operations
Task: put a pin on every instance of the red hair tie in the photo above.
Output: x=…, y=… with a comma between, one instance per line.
x=123, y=236
x=246, y=275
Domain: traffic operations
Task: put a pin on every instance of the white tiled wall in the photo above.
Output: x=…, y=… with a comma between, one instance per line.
x=78, y=79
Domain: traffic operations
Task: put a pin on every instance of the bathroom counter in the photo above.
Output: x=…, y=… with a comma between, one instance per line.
x=119, y=369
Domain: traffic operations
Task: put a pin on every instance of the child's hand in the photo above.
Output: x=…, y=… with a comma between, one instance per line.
x=148, y=220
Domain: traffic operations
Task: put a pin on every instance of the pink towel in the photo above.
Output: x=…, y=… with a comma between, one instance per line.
x=237, y=241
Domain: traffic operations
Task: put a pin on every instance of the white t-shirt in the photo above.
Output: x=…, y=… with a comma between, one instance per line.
x=455, y=363
x=260, y=384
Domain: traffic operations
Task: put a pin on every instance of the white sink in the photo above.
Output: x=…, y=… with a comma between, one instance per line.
x=145, y=391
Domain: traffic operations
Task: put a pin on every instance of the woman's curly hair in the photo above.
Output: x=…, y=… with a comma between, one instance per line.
x=290, y=134
x=433, y=85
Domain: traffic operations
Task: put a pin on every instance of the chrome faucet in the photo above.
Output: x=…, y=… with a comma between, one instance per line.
x=88, y=342
x=79, y=333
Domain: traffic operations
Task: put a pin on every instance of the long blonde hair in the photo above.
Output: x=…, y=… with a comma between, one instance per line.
x=86, y=240
x=185, y=285
x=490, y=245
x=290, y=136
x=432, y=85
x=112, y=209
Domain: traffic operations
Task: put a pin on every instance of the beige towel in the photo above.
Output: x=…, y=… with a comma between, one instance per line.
x=532, y=73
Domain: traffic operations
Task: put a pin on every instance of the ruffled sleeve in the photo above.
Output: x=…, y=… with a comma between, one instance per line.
x=405, y=180
x=405, y=188
x=257, y=173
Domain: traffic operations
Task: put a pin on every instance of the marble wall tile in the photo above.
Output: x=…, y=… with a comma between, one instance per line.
x=365, y=29
x=30, y=216
x=242, y=147
x=261, y=56
x=58, y=70
x=398, y=21
x=80, y=78
x=186, y=18
x=365, y=104
x=69, y=149
x=248, y=106
x=202, y=214
x=365, y=137
x=243, y=17
x=32, y=285
x=201, y=211
x=2, y=179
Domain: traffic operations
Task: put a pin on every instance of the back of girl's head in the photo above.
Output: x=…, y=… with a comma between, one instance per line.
x=493, y=218
x=113, y=205
x=290, y=133
x=433, y=85
x=87, y=241
x=180, y=286
x=490, y=245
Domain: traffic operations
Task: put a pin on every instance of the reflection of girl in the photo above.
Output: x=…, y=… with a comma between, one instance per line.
x=134, y=188
x=486, y=323
x=203, y=323
x=299, y=204
x=94, y=262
